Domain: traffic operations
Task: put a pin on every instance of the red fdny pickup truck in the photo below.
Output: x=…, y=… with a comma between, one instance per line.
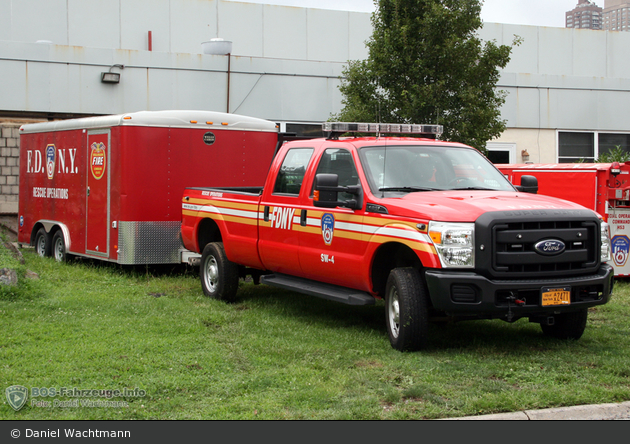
x=431, y=227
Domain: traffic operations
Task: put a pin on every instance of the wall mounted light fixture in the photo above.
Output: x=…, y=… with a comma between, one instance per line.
x=525, y=155
x=111, y=77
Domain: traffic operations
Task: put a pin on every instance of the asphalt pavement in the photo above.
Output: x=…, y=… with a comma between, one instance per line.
x=597, y=412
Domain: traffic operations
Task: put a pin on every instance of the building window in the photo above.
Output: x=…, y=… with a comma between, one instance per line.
x=608, y=142
x=576, y=147
x=588, y=147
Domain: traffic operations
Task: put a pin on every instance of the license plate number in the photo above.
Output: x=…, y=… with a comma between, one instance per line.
x=556, y=296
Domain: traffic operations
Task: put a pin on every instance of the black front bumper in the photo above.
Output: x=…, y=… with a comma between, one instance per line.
x=470, y=295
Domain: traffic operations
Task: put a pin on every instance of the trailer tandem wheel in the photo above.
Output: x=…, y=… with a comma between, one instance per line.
x=59, y=247
x=43, y=243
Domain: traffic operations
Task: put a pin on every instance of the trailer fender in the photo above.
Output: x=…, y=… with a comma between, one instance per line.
x=50, y=226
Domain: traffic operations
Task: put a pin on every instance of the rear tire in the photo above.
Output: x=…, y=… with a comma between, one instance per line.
x=43, y=243
x=59, y=247
x=567, y=325
x=219, y=276
x=406, y=310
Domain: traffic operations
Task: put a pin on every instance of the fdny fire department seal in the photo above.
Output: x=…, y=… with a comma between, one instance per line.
x=328, y=227
x=620, y=247
x=97, y=160
x=50, y=160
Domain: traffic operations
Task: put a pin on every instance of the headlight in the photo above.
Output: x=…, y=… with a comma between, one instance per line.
x=606, y=251
x=455, y=243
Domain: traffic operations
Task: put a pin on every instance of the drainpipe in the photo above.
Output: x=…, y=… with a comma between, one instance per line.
x=228, y=85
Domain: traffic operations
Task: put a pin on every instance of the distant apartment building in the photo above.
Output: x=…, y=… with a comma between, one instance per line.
x=586, y=15
x=616, y=16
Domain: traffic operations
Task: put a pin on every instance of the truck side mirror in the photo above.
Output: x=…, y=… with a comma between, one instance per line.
x=529, y=184
x=327, y=189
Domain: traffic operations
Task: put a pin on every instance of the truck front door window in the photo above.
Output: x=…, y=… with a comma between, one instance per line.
x=339, y=162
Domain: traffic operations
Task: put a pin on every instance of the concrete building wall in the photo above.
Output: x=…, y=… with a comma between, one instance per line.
x=561, y=80
x=181, y=26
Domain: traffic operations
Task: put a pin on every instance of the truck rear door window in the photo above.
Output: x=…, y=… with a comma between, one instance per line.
x=291, y=174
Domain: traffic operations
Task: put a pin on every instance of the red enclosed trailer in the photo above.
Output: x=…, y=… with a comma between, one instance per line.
x=602, y=187
x=110, y=187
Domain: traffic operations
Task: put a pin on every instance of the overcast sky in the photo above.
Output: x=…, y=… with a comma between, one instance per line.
x=519, y=12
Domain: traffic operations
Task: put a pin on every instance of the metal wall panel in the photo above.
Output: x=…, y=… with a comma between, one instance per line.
x=242, y=24
x=138, y=17
x=360, y=32
x=328, y=37
x=192, y=22
x=94, y=23
x=33, y=20
x=618, y=47
x=5, y=19
x=284, y=32
x=589, y=53
x=555, y=51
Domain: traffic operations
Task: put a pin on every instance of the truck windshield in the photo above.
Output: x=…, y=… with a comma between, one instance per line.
x=407, y=169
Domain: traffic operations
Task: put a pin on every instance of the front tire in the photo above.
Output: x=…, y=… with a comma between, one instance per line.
x=406, y=310
x=219, y=276
x=567, y=325
x=43, y=243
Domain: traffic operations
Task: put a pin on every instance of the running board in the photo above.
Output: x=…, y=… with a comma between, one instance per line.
x=326, y=291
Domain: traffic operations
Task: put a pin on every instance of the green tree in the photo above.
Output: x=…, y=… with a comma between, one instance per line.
x=426, y=64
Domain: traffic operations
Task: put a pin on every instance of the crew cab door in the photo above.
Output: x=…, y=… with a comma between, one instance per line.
x=331, y=239
x=278, y=244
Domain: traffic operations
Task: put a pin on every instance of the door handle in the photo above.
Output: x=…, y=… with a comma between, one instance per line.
x=266, y=216
x=303, y=218
x=88, y=191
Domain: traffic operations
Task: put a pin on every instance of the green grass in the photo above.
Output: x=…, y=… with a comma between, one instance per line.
x=280, y=355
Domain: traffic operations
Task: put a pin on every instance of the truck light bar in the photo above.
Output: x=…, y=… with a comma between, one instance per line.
x=431, y=131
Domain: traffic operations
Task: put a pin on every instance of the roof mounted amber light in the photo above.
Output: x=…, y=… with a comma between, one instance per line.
x=336, y=128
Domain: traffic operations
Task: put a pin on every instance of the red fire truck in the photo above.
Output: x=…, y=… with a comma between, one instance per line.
x=602, y=187
x=431, y=227
x=110, y=187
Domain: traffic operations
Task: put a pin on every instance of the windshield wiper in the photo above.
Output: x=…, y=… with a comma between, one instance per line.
x=409, y=189
x=472, y=188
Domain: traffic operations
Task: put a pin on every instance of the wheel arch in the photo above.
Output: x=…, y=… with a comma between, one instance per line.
x=208, y=231
x=51, y=227
x=388, y=256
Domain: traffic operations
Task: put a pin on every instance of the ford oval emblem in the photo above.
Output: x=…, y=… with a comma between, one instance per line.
x=550, y=247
